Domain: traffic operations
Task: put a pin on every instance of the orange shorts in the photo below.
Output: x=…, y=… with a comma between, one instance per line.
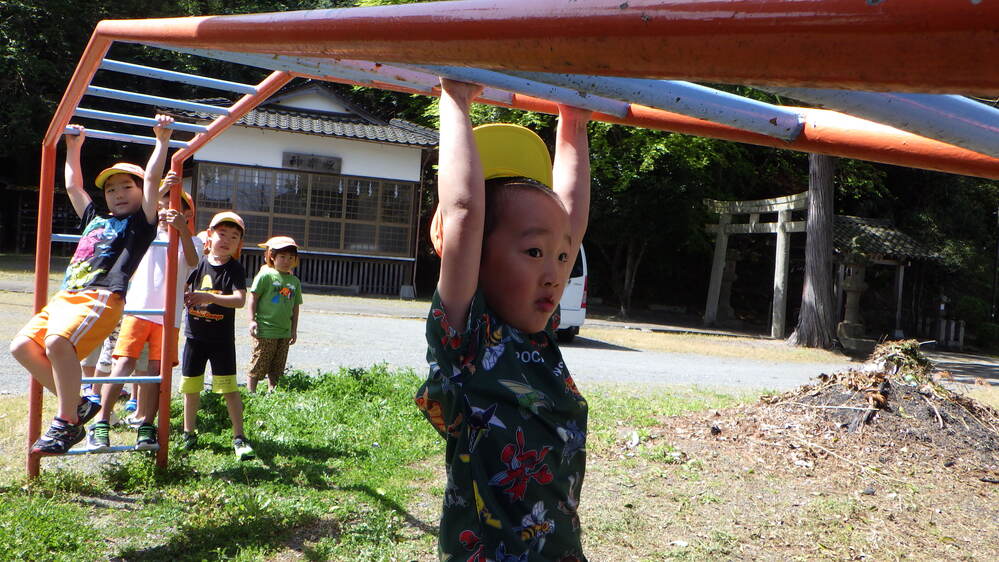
x=85, y=318
x=136, y=332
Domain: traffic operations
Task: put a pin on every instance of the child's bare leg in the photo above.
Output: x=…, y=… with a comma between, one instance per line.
x=192, y=402
x=32, y=357
x=67, y=374
x=123, y=367
x=251, y=384
x=148, y=395
x=272, y=380
x=234, y=403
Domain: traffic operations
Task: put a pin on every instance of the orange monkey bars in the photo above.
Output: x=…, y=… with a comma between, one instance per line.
x=915, y=46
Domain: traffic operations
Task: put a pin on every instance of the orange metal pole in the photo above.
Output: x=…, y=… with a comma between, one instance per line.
x=265, y=89
x=825, y=132
x=84, y=73
x=43, y=248
x=912, y=46
x=169, y=344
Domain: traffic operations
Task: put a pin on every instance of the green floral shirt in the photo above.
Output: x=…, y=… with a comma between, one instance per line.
x=515, y=427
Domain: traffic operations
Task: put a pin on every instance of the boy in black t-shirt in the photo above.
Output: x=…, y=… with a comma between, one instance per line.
x=214, y=290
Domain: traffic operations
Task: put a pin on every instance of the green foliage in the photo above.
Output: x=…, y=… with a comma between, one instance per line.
x=987, y=336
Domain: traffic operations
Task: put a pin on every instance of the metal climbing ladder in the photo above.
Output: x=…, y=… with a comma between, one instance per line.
x=252, y=95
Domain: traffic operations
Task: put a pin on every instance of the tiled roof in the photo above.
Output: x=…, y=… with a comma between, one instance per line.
x=876, y=237
x=342, y=125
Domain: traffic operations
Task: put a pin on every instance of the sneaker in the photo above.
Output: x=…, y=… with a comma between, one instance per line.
x=99, y=440
x=145, y=439
x=60, y=437
x=132, y=422
x=87, y=410
x=190, y=440
x=95, y=398
x=244, y=451
x=131, y=405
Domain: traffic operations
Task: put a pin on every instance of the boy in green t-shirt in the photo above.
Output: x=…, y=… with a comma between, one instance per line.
x=274, y=300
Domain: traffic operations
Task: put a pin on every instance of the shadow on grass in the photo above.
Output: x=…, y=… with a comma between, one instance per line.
x=394, y=506
x=222, y=542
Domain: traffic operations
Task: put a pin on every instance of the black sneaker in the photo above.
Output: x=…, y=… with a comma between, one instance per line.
x=145, y=438
x=60, y=437
x=190, y=440
x=244, y=451
x=99, y=440
x=87, y=410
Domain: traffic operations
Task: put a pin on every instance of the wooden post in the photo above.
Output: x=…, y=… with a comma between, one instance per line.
x=717, y=268
x=777, y=322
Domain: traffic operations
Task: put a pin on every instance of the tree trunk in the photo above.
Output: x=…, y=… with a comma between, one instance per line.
x=624, y=262
x=635, y=253
x=816, y=321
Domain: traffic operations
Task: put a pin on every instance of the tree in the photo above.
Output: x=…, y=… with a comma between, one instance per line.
x=815, y=321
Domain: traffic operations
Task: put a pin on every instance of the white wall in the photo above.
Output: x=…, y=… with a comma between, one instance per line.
x=250, y=146
x=312, y=101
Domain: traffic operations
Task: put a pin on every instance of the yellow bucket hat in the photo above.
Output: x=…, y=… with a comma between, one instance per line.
x=506, y=151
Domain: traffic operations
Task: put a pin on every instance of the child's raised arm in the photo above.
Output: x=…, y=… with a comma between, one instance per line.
x=154, y=168
x=74, y=174
x=461, y=191
x=571, y=168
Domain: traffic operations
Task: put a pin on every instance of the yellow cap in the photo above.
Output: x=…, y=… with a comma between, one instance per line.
x=227, y=216
x=510, y=151
x=278, y=242
x=119, y=168
x=506, y=151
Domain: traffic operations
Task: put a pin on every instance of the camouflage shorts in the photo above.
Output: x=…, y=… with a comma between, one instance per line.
x=269, y=357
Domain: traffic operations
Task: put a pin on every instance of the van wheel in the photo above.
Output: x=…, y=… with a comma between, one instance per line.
x=566, y=335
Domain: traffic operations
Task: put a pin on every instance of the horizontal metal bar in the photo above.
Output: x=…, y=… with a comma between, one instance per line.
x=530, y=87
x=685, y=98
x=120, y=380
x=364, y=72
x=123, y=137
x=76, y=238
x=155, y=100
x=114, y=449
x=135, y=120
x=955, y=120
x=173, y=76
x=144, y=311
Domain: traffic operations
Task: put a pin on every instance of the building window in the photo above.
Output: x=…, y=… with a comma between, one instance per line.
x=323, y=212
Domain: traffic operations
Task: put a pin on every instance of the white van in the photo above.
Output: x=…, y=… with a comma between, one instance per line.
x=573, y=303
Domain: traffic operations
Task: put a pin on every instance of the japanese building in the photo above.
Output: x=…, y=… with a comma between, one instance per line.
x=343, y=184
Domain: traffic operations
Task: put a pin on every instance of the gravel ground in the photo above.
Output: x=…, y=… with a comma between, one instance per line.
x=355, y=332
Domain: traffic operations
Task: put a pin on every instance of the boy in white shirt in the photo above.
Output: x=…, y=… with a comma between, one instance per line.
x=148, y=291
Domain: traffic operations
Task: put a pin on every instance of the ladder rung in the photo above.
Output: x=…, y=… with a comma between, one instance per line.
x=76, y=237
x=155, y=100
x=119, y=380
x=135, y=120
x=144, y=311
x=113, y=449
x=137, y=139
x=192, y=79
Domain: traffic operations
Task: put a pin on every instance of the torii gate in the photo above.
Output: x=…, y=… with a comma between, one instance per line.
x=783, y=206
x=923, y=50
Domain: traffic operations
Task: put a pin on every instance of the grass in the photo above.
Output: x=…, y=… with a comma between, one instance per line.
x=335, y=454
x=349, y=470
